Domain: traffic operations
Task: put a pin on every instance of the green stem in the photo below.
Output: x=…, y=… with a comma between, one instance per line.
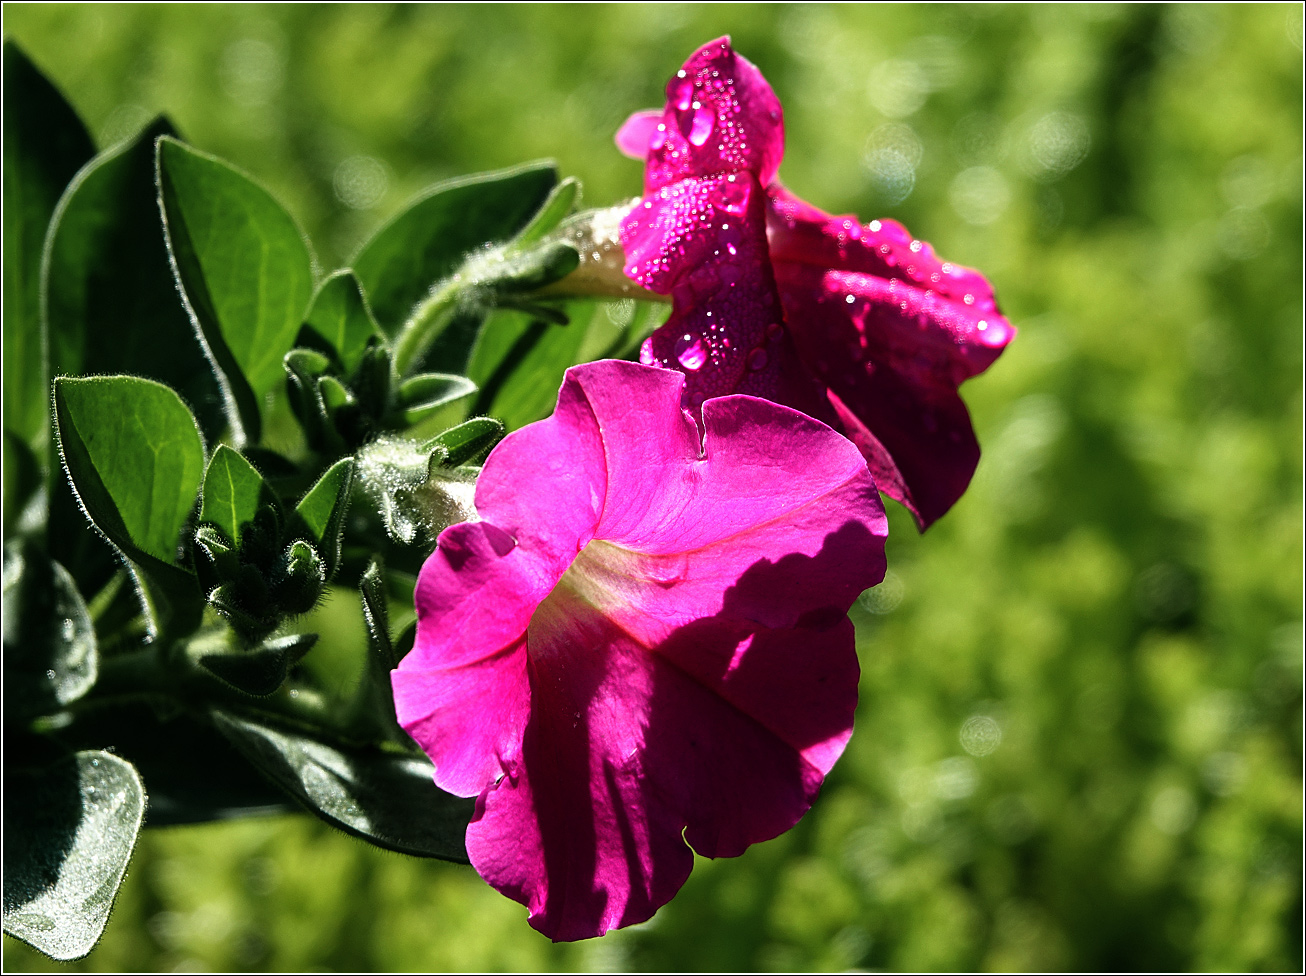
x=424, y=325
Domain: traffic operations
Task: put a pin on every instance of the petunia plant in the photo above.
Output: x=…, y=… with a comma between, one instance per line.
x=631, y=639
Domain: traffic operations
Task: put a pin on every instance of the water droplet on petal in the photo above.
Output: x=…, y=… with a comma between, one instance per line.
x=646, y=353
x=773, y=330
x=757, y=359
x=850, y=299
x=689, y=352
x=659, y=138
x=701, y=128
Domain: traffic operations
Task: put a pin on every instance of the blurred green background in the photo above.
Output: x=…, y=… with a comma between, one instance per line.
x=1080, y=736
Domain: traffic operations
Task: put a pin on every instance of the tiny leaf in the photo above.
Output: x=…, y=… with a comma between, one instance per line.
x=233, y=493
x=558, y=205
x=321, y=512
x=467, y=443
x=388, y=799
x=340, y=316
x=429, y=240
x=69, y=832
x=244, y=267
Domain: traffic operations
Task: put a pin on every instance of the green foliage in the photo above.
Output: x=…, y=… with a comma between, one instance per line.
x=109, y=302
x=244, y=267
x=388, y=799
x=134, y=456
x=428, y=241
x=69, y=832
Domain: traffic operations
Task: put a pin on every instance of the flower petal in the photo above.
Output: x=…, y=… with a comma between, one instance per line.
x=636, y=132
x=892, y=356
x=629, y=747
x=475, y=596
x=721, y=116
x=692, y=675
x=704, y=243
x=802, y=234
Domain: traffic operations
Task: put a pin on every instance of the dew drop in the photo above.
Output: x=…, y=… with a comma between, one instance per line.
x=659, y=137
x=701, y=127
x=773, y=330
x=850, y=299
x=689, y=352
x=757, y=359
x=982, y=325
x=646, y=353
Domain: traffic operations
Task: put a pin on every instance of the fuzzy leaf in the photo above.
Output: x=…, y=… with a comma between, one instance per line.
x=259, y=672
x=340, y=317
x=244, y=267
x=234, y=492
x=321, y=512
x=110, y=302
x=388, y=799
x=135, y=458
x=69, y=832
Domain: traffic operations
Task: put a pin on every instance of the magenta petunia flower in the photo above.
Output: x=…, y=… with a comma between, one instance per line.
x=644, y=646
x=860, y=326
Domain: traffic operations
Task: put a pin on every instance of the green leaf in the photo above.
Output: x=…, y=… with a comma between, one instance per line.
x=234, y=492
x=321, y=512
x=258, y=672
x=50, y=653
x=559, y=204
x=388, y=799
x=45, y=144
x=340, y=316
x=134, y=456
x=109, y=298
x=519, y=362
x=422, y=395
x=429, y=240
x=244, y=267
x=69, y=832
x=467, y=443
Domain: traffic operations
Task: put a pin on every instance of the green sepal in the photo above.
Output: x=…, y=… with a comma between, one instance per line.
x=320, y=514
x=468, y=443
x=300, y=576
x=303, y=369
x=70, y=829
x=420, y=396
x=387, y=798
x=258, y=672
x=244, y=268
x=51, y=656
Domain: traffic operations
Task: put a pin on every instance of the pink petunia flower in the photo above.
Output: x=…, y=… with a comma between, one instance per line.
x=861, y=326
x=644, y=646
